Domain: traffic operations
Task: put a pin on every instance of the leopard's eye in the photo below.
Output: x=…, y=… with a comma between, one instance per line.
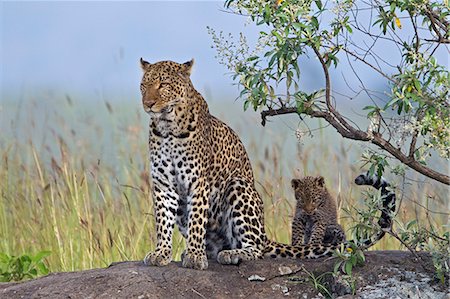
x=164, y=85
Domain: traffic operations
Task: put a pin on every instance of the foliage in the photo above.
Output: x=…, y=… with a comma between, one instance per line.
x=16, y=268
x=65, y=184
x=364, y=220
x=416, y=237
x=409, y=117
x=349, y=257
x=409, y=123
x=317, y=281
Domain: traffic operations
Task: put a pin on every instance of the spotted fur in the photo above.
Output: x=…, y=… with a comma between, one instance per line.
x=202, y=179
x=388, y=196
x=315, y=219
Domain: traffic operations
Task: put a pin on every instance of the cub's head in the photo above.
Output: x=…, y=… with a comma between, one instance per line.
x=309, y=193
x=164, y=84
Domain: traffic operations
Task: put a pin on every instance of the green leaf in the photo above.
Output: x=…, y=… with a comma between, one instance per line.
x=349, y=28
x=4, y=258
x=361, y=256
x=298, y=26
x=400, y=108
x=40, y=255
x=369, y=108
x=300, y=107
x=392, y=6
x=246, y=103
x=272, y=60
x=43, y=269
x=315, y=22
x=278, y=36
x=348, y=268
x=410, y=224
x=267, y=14
x=319, y=4
x=417, y=85
x=337, y=265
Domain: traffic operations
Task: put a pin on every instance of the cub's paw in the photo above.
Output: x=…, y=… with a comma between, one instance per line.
x=158, y=258
x=190, y=260
x=229, y=257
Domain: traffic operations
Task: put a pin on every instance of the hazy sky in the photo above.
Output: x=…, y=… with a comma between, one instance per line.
x=94, y=47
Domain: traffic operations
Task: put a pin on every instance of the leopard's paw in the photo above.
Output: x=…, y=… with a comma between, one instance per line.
x=229, y=257
x=190, y=260
x=158, y=258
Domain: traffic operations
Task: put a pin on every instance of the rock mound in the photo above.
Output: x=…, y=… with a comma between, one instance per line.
x=386, y=274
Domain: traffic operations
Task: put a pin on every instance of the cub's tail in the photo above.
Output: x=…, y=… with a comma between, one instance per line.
x=308, y=251
x=388, y=201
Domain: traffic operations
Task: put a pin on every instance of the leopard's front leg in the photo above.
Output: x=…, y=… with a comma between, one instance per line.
x=298, y=230
x=166, y=200
x=195, y=254
x=318, y=233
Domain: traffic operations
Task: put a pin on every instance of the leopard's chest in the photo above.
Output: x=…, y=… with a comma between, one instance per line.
x=176, y=161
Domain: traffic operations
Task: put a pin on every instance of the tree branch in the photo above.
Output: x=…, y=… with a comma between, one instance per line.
x=435, y=21
x=330, y=107
x=368, y=64
x=412, y=146
x=334, y=118
x=359, y=135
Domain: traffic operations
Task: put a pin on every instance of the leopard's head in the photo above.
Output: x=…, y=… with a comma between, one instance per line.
x=309, y=193
x=164, y=84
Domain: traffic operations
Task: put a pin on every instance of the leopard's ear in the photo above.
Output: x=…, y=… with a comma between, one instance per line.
x=295, y=183
x=320, y=181
x=186, y=68
x=145, y=65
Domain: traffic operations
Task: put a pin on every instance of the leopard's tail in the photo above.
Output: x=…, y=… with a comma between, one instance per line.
x=388, y=203
x=309, y=251
x=388, y=196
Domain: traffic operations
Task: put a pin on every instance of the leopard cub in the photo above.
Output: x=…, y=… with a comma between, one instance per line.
x=315, y=219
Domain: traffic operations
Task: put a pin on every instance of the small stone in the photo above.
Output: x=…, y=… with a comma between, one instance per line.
x=282, y=288
x=275, y=287
x=284, y=270
x=285, y=290
x=256, y=278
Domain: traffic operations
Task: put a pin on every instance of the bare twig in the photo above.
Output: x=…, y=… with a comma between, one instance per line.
x=368, y=64
x=198, y=293
x=412, y=250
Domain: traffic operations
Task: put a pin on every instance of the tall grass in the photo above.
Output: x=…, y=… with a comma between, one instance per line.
x=74, y=180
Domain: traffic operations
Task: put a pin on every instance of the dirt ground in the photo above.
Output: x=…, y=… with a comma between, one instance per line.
x=386, y=274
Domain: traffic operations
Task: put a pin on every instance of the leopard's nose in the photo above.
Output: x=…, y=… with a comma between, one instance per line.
x=149, y=100
x=148, y=106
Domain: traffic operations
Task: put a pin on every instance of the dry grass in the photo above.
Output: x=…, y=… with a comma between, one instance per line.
x=74, y=180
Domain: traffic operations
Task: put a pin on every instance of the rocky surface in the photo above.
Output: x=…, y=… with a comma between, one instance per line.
x=386, y=274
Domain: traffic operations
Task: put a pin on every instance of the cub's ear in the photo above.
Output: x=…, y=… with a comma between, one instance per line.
x=320, y=181
x=295, y=183
x=186, y=67
x=145, y=65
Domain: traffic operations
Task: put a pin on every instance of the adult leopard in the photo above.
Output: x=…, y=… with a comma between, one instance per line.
x=202, y=179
